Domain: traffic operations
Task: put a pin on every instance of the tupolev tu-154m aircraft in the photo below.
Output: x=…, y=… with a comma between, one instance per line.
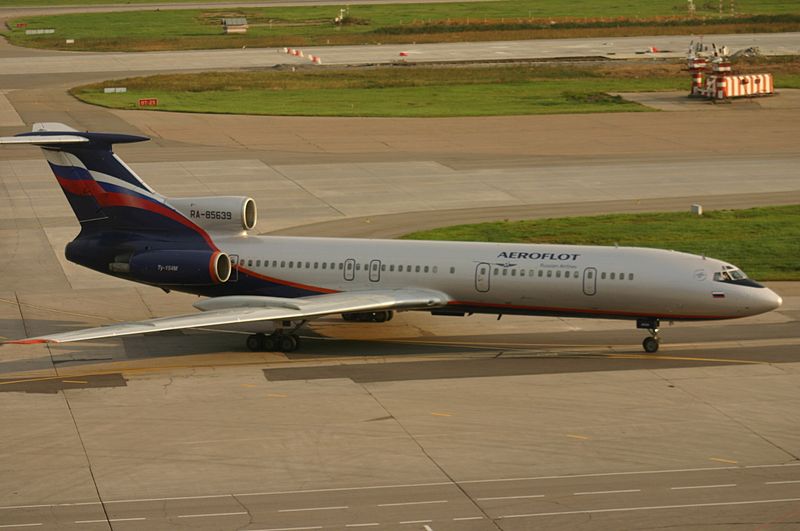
x=270, y=286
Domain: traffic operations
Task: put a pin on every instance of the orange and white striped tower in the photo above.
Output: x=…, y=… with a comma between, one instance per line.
x=721, y=69
x=697, y=68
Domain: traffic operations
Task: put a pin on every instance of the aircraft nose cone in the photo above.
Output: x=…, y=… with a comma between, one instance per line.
x=777, y=300
x=770, y=301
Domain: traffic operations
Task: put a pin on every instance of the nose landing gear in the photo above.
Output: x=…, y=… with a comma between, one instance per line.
x=650, y=344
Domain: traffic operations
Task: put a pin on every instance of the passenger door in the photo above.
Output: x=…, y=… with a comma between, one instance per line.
x=349, y=269
x=589, y=281
x=483, y=272
x=375, y=271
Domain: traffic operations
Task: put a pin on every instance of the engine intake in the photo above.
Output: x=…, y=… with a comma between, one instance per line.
x=177, y=267
x=218, y=213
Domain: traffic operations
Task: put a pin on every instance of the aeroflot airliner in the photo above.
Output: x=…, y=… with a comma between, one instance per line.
x=270, y=286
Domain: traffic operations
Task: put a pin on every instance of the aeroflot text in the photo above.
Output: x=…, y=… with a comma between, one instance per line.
x=539, y=256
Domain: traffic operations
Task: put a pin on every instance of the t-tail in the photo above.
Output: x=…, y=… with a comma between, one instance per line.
x=127, y=228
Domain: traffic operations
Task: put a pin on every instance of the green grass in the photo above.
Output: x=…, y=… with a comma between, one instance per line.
x=416, y=91
x=393, y=91
x=313, y=25
x=764, y=242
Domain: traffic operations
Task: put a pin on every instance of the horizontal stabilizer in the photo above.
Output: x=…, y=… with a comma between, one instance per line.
x=43, y=140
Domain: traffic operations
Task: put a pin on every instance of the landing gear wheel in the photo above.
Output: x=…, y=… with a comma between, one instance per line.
x=287, y=343
x=650, y=345
x=255, y=342
x=270, y=344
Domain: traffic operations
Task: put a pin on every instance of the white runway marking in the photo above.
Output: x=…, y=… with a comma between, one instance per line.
x=606, y=492
x=704, y=486
x=465, y=518
x=287, y=528
x=651, y=508
x=104, y=521
x=781, y=482
x=511, y=497
x=210, y=515
x=410, y=503
x=313, y=509
x=416, y=522
x=22, y=525
x=363, y=525
x=406, y=485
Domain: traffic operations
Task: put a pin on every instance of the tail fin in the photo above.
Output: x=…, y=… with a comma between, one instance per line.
x=102, y=190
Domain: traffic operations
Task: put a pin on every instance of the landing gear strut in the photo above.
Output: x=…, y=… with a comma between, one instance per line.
x=650, y=344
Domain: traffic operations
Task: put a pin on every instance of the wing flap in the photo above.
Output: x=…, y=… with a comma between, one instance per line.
x=236, y=310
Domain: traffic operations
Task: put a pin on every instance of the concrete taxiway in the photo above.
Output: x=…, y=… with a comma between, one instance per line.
x=421, y=423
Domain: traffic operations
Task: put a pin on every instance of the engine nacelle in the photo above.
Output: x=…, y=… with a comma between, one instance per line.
x=218, y=213
x=195, y=268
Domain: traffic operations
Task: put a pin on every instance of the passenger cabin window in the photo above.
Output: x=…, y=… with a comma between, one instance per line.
x=452, y=270
x=630, y=276
x=549, y=273
x=417, y=269
x=590, y=275
x=613, y=276
x=435, y=269
x=541, y=272
x=603, y=275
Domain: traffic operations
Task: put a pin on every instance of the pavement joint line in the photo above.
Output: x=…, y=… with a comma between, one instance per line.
x=210, y=515
x=703, y=486
x=652, y=507
x=606, y=492
x=314, y=509
x=411, y=503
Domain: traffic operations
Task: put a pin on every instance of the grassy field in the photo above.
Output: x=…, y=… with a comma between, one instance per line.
x=764, y=242
x=405, y=91
x=401, y=23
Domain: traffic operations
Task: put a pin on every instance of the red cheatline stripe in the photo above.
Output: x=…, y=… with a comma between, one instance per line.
x=29, y=341
x=285, y=282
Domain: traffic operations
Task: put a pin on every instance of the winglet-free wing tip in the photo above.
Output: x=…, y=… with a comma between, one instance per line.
x=28, y=341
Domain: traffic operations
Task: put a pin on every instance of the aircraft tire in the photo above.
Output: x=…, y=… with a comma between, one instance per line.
x=255, y=342
x=270, y=344
x=288, y=343
x=650, y=345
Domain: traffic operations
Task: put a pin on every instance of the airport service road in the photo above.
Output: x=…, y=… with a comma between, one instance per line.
x=50, y=63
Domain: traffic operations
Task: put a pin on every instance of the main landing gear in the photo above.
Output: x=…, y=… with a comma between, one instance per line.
x=369, y=317
x=650, y=344
x=283, y=339
x=278, y=341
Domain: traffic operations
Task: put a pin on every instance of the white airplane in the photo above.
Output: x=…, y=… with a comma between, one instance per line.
x=270, y=286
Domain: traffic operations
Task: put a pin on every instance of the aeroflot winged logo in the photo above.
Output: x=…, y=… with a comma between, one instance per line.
x=564, y=257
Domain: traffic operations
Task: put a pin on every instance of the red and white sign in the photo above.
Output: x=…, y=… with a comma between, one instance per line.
x=148, y=102
x=749, y=85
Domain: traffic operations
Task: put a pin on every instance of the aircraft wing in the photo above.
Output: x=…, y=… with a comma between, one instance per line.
x=221, y=311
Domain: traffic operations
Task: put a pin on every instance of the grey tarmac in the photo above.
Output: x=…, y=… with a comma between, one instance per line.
x=422, y=423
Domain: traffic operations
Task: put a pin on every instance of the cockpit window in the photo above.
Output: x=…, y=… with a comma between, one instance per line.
x=732, y=275
x=729, y=274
